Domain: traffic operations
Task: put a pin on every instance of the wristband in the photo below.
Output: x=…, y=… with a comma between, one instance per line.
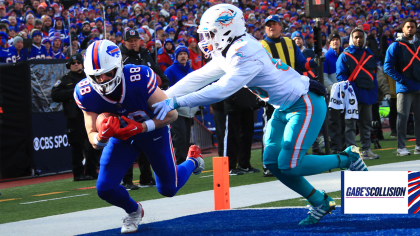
x=97, y=143
x=150, y=124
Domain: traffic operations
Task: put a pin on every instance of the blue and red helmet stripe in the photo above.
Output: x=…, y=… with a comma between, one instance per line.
x=95, y=55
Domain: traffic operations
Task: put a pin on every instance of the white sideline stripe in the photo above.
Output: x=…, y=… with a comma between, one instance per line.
x=23, y=203
x=205, y=176
x=156, y=210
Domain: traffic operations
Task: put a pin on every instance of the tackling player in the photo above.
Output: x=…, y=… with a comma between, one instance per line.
x=129, y=91
x=239, y=60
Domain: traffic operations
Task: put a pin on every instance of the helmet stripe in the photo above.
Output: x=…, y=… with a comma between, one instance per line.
x=95, y=54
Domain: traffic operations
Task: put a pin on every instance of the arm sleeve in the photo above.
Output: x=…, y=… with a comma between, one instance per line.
x=391, y=58
x=342, y=71
x=231, y=82
x=60, y=94
x=301, y=63
x=196, y=80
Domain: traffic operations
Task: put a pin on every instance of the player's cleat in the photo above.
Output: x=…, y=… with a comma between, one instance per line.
x=417, y=150
x=403, y=152
x=132, y=221
x=194, y=154
x=357, y=163
x=316, y=213
x=267, y=173
x=249, y=170
x=369, y=155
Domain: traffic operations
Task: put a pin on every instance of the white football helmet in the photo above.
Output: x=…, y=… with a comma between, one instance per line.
x=101, y=57
x=219, y=25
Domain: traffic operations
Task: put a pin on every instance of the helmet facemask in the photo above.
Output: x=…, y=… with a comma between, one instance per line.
x=109, y=86
x=213, y=40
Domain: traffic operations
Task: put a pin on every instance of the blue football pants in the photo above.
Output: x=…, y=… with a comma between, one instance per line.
x=119, y=155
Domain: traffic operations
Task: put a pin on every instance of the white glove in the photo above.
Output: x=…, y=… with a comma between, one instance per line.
x=387, y=97
x=165, y=106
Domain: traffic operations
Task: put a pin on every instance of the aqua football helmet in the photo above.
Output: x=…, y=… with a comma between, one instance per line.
x=102, y=57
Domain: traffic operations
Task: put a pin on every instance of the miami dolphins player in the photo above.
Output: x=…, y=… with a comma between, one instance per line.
x=128, y=91
x=239, y=60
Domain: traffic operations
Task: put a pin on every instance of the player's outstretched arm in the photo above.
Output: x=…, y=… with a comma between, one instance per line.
x=99, y=138
x=170, y=117
x=196, y=80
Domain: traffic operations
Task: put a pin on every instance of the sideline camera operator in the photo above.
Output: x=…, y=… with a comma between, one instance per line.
x=76, y=132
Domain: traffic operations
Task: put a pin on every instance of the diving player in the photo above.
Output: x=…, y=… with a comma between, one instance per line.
x=129, y=92
x=239, y=60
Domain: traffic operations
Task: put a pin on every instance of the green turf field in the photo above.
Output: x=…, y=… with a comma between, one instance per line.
x=12, y=199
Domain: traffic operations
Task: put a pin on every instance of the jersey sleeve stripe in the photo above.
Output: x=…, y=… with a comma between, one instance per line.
x=154, y=83
x=79, y=104
x=151, y=78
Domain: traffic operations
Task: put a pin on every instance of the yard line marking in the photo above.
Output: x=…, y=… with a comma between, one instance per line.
x=206, y=176
x=44, y=194
x=11, y=199
x=54, y=199
x=85, y=188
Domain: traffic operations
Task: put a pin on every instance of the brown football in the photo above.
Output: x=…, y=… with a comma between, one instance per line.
x=102, y=116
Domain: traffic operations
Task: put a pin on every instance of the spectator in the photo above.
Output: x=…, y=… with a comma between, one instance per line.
x=181, y=127
x=6, y=55
x=76, y=132
x=196, y=56
x=402, y=66
x=365, y=86
x=335, y=117
x=21, y=53
x=47, y=43
x=85, y=31
x=166, y=55
x=46, y=25
x=55, y=50
x=37, y=51
x=75, y=48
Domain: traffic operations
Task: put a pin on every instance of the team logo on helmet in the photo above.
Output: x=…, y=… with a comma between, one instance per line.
x=225, y=18
x=113, y=51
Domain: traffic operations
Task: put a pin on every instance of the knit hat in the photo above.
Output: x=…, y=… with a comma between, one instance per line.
x=17, y=39
x=333, y=35
x=297, y=34
x=35, y=33
x=191, y=39
x=180, y=49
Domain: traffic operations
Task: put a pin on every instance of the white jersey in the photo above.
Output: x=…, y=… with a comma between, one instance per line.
x=247, y=64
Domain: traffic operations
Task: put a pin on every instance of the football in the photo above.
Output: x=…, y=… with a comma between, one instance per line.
x=102, y=116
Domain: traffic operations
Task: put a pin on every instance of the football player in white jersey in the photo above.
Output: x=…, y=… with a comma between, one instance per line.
x=239, y=60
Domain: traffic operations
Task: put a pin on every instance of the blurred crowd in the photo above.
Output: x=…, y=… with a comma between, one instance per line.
x=34, y=29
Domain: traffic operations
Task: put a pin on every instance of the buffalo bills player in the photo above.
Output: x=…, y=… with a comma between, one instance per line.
x=129, y=92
